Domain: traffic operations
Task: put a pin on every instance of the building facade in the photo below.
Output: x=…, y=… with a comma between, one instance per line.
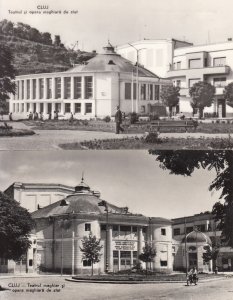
x=200, y=227
x=90, y=90
x=211, y=63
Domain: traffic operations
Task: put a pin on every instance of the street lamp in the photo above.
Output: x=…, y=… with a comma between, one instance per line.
x=186, y=254
x=137, y=94
x=104, y=203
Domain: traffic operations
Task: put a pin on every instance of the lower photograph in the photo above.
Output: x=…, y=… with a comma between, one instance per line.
x=116, y=224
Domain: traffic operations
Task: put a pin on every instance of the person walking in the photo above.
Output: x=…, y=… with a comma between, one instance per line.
x=118, y=120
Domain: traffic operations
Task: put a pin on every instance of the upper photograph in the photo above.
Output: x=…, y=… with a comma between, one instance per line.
x=103, y=75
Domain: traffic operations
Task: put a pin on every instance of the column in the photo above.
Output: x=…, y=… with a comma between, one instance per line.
x=37, y=89
x=72, y=107
x=53, y=87
x=53, y=109
x=31, y=89
x=37, y=107
x=62, y=108
x=72, y=253
x=62, y=88
x=31, y=107
x=72, y=87
x=25, y=89
x=45, y=88
x=109, y=246
x=25, y=108
x=139, y=240
x=83, y=88
x=45, y=111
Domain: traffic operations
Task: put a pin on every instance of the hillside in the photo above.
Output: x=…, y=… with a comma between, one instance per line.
x=34, y=57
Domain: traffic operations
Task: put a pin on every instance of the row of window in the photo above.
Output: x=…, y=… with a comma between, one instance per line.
x=146, y=91
x=217, y=82
x=129, y=229
x=201, y=227
x=19, y=108
x=196, y=63
x=77, y=89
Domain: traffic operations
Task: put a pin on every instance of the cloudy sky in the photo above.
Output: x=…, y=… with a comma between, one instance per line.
x=123, y=21
x=124, y=178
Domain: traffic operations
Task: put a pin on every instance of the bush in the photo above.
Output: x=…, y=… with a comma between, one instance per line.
x=107, y=119
x=154, y=117
x=153, y=137
x=133, y=117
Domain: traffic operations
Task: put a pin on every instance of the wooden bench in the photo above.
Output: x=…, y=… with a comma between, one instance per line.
x=173, y=124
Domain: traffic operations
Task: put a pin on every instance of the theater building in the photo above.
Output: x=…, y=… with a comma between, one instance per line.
x=90, y=90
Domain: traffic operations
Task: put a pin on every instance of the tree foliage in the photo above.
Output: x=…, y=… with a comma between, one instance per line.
x=15, y=226
x=170, y=96
x=202, y=95
x=185, y=162
x=91, y=249
x=147, y=255
x=210, y=254
x=7, y=74
x=228, y=94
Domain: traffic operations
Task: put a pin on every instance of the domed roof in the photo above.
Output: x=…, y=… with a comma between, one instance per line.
x=197, y=237
x=110, y=61
x=82, y=186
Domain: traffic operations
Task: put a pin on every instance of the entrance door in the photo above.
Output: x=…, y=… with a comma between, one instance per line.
x=21, y=265
x=49, y=108
x=192, y=260
x=125, y=257
x=221, y=108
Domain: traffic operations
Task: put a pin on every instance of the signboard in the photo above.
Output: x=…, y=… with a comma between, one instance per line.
x=124, y=245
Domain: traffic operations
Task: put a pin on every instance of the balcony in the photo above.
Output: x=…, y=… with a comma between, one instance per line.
x=216, y=70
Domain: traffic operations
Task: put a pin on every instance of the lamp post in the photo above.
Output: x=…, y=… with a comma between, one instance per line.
x=137, y=78
x=104, y=203
x=185, y=241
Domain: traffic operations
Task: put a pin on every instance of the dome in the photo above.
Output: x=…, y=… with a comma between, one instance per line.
x=110, y=61
x=197, y=237
x=82, y=187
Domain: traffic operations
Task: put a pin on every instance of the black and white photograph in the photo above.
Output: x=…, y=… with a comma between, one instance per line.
x=116, y=162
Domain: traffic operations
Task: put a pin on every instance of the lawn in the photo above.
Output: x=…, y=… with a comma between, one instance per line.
x=158, y=144
x=100, y=125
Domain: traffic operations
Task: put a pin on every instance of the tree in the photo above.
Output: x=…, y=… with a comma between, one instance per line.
x=15, y=227
x=202, y=95
x=46, y=38
x=57, y=41
x=170, y=96
x=91, y=249
x=147, y=255
x=184, y=162
x=210, y=254
x=228, y=94
x=7, y=74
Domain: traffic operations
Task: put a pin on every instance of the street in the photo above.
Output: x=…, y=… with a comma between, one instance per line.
x=57, y=288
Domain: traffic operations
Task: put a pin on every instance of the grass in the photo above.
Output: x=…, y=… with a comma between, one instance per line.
x=160, y=144
x=15, y=132
x=100, y=125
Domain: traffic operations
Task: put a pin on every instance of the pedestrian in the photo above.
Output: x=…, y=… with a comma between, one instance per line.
x=30, y=116
x=118, y=120
x=71, y=118
x=190, y=276
x=195, y=275
x=10, y=116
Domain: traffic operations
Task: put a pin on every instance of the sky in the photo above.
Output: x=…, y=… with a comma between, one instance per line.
x=124, y=178
x=123, y=21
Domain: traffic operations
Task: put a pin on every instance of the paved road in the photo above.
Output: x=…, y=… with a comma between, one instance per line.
x=212, y=290
x=50, y=139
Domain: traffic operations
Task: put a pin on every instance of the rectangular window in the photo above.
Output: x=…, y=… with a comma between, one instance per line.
x=67, y=81
x=58, y=88
x=134, y=229
x=88, y=87
x=77, y=87
x=88, y=108
x=67, y=107
x=115, y=254
x=220, y=82
x=219, y=61
x=28, y=107
x=86, y=263
x=193, y=81
x=41, y=107
x=178, y=83
x=125, y=228
x=143, y=92
x=28, y=89
x=22, y=84
x=163, y=231
x=49, y=88
x=34, y=88
x=134, y=91
x=178, y=65
x=201, y=227
x=156, y=92
x=77, y=108
x=125, y=254
x=135, y=254
x=127, y=91
x=176, y=231
x=87, y=227
x=195, y=63
x=115, y=227
x=41, y=88
x=150, y=91
x=103, y=227
x=163, y=263
x=17, y=90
